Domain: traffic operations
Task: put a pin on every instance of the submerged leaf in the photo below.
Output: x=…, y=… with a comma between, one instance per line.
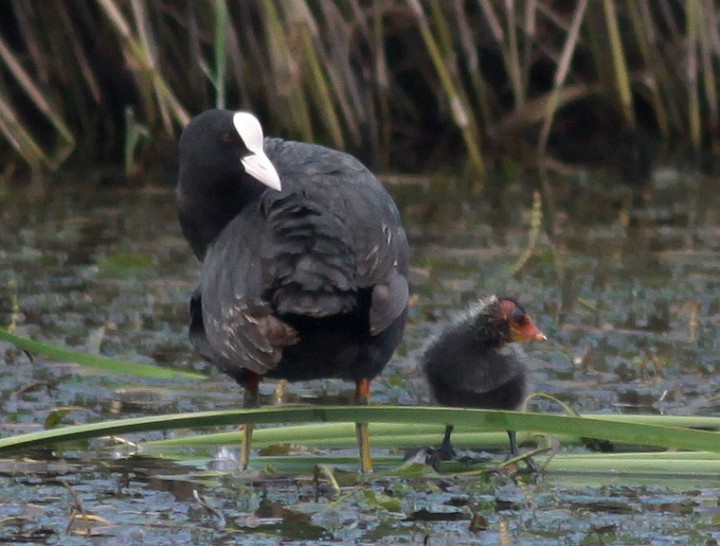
x=381, y=500
x=56, y=416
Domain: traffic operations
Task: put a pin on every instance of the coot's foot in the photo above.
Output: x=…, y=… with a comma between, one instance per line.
x=515, y=453
x=435, y=456
x=428, y=455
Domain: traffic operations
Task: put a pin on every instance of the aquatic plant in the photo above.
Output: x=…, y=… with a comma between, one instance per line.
x=405, y=84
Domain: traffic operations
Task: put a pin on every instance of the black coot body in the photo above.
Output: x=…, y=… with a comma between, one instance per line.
x=475, y=363
x=305, y=258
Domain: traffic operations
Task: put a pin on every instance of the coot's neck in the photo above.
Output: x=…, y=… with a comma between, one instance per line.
x=487, y=331
x=206, y=208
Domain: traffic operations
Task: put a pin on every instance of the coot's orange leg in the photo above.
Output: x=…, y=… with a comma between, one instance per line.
x=250, y=400
x=362, y=397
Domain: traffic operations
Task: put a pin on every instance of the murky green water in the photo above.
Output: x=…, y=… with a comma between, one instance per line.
x=626, y=288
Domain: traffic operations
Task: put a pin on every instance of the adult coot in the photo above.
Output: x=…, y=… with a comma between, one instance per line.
x=474, y=363
x=305, y=259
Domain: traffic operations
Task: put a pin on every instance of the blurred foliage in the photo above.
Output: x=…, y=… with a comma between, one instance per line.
x=404, y=84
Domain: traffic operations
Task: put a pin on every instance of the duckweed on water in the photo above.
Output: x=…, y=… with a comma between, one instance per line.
x=626, y=292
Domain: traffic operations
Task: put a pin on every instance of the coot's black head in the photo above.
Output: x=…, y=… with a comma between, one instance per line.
x=220, y=143
x=223, y=167
x=503, y=320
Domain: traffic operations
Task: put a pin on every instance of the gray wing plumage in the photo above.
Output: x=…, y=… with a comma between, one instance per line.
x=383, y=265
x=308, y=263
x=241, y=327
x=361, y=214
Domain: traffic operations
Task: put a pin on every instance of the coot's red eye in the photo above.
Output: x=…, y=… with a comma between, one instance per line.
x=229, y=137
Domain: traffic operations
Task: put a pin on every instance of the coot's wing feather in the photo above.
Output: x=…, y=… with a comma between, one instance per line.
x=240, y=325
x=288, y=254
x=383, y=264
x=357, y=234
x=198, y=336
x=308, y=263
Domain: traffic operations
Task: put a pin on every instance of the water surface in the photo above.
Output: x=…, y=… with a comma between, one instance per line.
x=623, y=279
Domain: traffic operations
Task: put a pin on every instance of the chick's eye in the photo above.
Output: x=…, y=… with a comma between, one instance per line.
x=229, y=137
x=521, y=319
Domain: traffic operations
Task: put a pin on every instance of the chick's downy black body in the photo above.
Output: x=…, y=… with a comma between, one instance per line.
x=305, y=258
x=476, y=363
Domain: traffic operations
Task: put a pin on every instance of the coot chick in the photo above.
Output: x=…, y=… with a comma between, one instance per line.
x=305, y=259
x=475, y=364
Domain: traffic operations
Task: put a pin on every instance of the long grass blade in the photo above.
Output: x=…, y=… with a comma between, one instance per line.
x=458, y=101
x=114, y=365
x=561, y=73
x=139, y=50
x=692, y=22
x=642, y=464
x=656, y=75
x=220, y=43
x=381, y=127
x=472, y=61
x=622, y=78
x=485, y=420
x=21, y=139
x=300, y=16
x=403, y=435
x=514, y=66
x=342, y=435
x=39, y=99
x=709, y=34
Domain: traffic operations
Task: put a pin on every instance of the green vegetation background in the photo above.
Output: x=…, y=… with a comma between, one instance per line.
x=404, y=84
